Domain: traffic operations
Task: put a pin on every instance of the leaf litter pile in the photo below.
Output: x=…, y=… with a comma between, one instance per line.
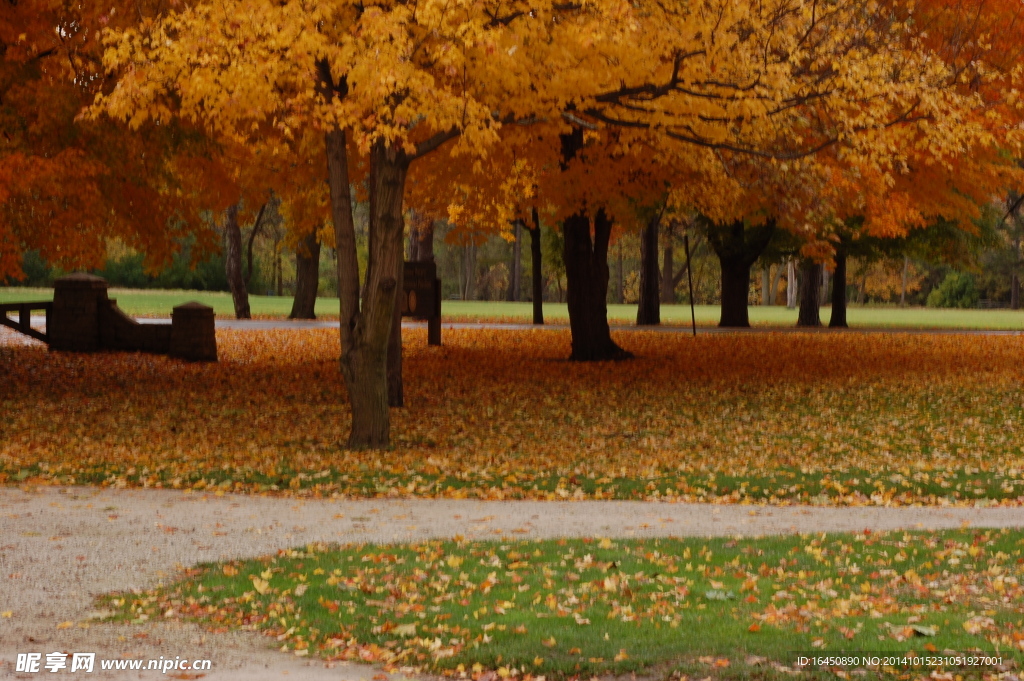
x=847, y=419
x=576, y=608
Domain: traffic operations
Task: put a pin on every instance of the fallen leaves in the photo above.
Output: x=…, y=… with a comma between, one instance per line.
x=408, y=607
x=853, y=419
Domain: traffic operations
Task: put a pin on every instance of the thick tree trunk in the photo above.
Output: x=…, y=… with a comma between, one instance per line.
x=838, y=318
x=738, y=247
x=648, y=312
x=366, y=329
x=535, y=266
x=396, y=389
x=735, y=288
x=810, y=291
x=586, y=275
x=307, y=277
x=515, y=271
x=233, y=263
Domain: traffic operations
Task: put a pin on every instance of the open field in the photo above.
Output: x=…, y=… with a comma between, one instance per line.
x=154, y=303
x=582, y=607
x=835, y=419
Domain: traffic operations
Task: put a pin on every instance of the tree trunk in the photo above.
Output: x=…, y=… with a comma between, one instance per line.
x=233, y=263
x=648, y=311
x=396, y=389
x=307, y=277
x=775, y=284
x=586, y=276
x=366, y=329
x=838, y=318
x=791, y=285
x=620, y=283
x=766, y=277
x=903, y=281
x=810, y=292
x=738, y=247
x=425, y=241
x=516, y=269
x=735, y=288
x=538, y=278
x=469, y=271
x=668, y=282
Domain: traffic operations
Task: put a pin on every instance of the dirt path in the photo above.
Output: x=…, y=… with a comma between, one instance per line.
x=59, y=548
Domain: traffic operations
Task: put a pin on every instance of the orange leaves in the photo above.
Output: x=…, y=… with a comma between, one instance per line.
x=851, y=418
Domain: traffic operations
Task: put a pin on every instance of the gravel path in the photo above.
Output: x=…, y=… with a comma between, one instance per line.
x=60, y=547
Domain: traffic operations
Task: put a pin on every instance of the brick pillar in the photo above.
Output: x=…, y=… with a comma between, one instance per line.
x=192, y=333
x=73, y=323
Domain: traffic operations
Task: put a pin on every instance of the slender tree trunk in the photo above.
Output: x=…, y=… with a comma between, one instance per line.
x=425, y=244
x=307, y=277
x=620, y=284
x=648, y=311
x=469, y=271
x=516, y=270
x=903, y=282
x=791, y=284
x=810, y=292
x=738, y=247
x=535, y=266
x=586, y=275
x=233, y=263
x=838, y=318
x=766, y=285
x=366, y=329
x=775, y=284
x=1015, y=277
x=668, y=282
x=824, y=284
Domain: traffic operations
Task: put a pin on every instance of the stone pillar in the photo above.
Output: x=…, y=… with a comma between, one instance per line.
x=73, y=323
x=192, y=333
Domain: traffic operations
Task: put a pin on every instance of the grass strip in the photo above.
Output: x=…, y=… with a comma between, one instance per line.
x=583, y=607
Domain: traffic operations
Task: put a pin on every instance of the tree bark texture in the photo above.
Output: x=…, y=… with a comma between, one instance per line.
x=838, y=318
x=810, y=292
x=469, y=271
x=307, y=277
x=537, y=274
x=586, y=275
x=515, y=271
x=366, y=327
x=668, y=283
x=738, y=247
x=791, y=285
x=766, y=282
x=233, y=263
x=648, y=312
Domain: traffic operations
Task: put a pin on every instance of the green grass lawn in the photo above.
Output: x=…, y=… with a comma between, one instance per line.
x=156, y=303
x=739, y=608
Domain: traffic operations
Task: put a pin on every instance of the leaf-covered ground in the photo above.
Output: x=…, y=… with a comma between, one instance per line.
x=577, y=608
x=823, y=418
